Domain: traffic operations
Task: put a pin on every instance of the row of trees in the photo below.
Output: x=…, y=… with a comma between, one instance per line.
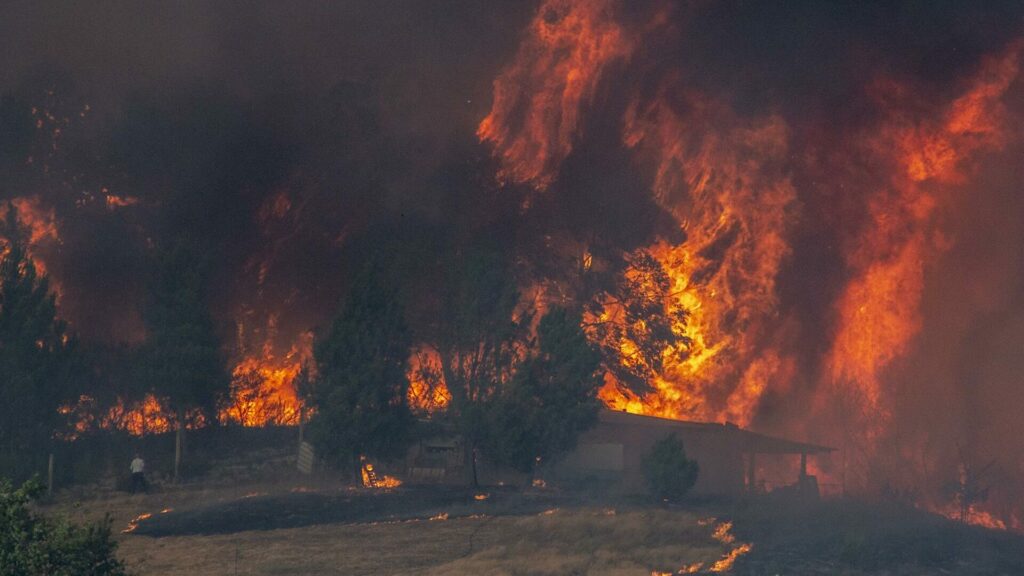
x=520, y=391
x=46, y=373
x=521, y=387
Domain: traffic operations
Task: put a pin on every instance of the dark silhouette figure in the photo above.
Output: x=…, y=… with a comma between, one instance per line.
x=138, y=468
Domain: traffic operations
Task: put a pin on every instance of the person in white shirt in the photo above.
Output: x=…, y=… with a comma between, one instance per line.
x=138, y=468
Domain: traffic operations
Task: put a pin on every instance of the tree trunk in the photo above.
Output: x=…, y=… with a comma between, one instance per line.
x=179, y=437
x=49, y=476
x=470, y=456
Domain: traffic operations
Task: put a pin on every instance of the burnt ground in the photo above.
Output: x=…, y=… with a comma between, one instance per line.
x=842, y=537
x=832, y=537
x=854, y=538
x=298, y=509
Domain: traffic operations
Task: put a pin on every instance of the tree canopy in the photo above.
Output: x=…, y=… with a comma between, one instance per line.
x=639, y=314
x=479, y=341
x=182, y=360
x=31, y=545
x=551, y=398
x=36, y=354
x=669, y=473
x=360, y=384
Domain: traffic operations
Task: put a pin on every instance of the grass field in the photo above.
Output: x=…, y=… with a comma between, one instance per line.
x=512, y=534
x=578, y=540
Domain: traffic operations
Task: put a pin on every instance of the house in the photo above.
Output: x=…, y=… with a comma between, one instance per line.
x=609, y=455
x=611, y=452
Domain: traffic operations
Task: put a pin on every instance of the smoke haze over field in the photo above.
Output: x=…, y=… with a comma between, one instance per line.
x=834, y=188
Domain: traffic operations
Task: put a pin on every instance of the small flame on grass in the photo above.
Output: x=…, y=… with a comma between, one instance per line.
x=726, y=563
x=723, y=534
x=481, y=496
x=134, y=523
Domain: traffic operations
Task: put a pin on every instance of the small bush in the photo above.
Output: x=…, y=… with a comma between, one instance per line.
x=670, y=474
x=31, y=545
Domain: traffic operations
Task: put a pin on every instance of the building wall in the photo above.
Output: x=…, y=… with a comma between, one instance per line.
x=610, y=455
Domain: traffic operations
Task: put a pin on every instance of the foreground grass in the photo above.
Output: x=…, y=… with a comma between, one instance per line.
x=586, y=540
x=834, y=538
x=578, y=542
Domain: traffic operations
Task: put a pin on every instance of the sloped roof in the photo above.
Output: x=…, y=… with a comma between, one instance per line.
x=750, y=442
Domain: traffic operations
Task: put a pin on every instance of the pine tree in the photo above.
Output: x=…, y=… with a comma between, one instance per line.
x=35, y=355
x=478, y=342
x=359, y=392
x=551, y=398
x=182, y=359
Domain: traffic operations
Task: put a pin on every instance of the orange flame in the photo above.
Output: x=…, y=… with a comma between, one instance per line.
x=555, y=75
x=720, y=177
x=427, y=390
x=263, y=387
x=879, y=310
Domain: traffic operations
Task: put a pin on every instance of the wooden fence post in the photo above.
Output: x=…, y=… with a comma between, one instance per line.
x=49, y=476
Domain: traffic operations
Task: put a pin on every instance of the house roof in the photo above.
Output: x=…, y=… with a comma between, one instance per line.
x=750, y=442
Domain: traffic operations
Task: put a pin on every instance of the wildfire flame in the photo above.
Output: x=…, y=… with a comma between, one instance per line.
x=728, y=181
x=263, y=387
x=556, y=74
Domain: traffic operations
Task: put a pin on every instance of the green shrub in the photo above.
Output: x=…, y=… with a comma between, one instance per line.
x=669, y=473
x=31, y=545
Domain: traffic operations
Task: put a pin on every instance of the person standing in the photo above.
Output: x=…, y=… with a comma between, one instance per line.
x=138, y=468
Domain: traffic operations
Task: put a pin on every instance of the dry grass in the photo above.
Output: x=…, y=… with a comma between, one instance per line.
x=580, y=541
x=592, y=542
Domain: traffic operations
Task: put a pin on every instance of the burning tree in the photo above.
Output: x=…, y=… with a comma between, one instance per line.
x=35, y=353
x=253, y=399
x=359, y=392
x=636, y=325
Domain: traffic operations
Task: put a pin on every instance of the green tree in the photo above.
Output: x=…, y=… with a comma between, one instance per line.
x=31, y=545
x=182, y=361
x=669, y=473
x=551, y=398
x=36, y=355
x=478, y=342
x=360, y=386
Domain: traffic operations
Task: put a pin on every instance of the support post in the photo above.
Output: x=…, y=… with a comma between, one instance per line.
x=49, y=476
x=803, y=466
x=177, y=452
x=752, y=473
